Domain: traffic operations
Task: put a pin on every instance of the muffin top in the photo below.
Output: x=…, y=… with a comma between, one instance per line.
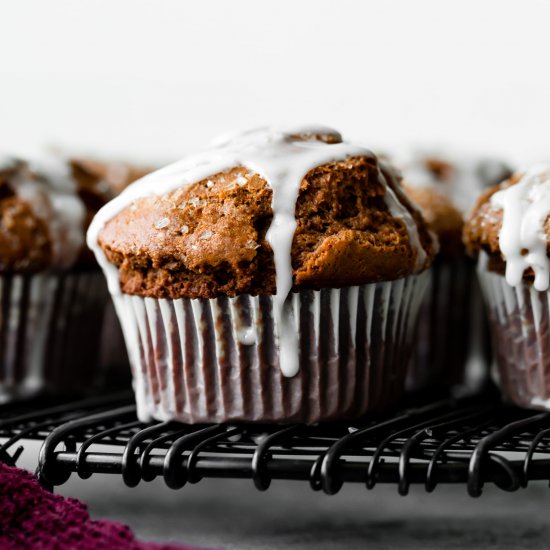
x=264, y=212
x=112, y=175
x=442, y=217
x=510, y=224
x=46, y=204
x=461, y=178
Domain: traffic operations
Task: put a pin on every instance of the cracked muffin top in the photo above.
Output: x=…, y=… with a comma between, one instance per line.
x=264, y=212
x=46, y=204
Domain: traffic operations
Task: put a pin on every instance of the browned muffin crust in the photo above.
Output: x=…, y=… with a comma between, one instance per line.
x=443, y=218
x=441, y=170
x=209, y=238
x=25, y=244
x=25, y=240
x=114, y=177
x=481, y=231
x=97, y=183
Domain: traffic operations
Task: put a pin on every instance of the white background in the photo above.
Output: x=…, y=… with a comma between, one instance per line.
x=155, y=79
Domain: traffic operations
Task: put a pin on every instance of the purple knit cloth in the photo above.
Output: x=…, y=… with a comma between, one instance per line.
x=33, y=518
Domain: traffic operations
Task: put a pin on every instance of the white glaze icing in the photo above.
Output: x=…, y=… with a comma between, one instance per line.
x=47, y=185
x=282, y=161
x=399, y=211
x=8, y=162
x=522, y=239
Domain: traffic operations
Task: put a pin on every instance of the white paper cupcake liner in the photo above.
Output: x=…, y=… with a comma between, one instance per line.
x=452, y=342
x=520, y=330
x=50, y=327
x=217, y=360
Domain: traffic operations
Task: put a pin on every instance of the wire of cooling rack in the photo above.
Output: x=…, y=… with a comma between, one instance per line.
x=470, y=441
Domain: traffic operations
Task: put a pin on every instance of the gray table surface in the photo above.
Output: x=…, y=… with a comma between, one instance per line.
x=232, y=514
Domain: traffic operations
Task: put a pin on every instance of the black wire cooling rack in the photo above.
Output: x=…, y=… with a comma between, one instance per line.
x=469, y=441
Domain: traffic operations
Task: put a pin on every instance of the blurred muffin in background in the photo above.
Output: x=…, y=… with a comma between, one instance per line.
x=52, y=295
x=460, y=177
x=113, y=176
x=452, y=340
x=508, y=233
x=442, y=216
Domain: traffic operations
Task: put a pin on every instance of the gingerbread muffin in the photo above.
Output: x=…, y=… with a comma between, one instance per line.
x=111, y=176
x=442, y=217
x=443, y=334
x=460, y=177
x=452, y=341
x=509, y=234
x=52, y=295
x=274, y=278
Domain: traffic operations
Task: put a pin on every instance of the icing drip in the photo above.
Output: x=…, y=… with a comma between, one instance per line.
x=522, y=238
x=282, y=158
x=46, y=184
x=397, y=210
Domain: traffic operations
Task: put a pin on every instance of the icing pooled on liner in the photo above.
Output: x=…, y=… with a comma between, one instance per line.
x=46, y=184
x=522, y=238
x=282, y=158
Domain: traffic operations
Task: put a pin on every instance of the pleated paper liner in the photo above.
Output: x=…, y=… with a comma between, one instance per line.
x=50, y=330
x=452, y=342
x=217, y=360
x=520, y=330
